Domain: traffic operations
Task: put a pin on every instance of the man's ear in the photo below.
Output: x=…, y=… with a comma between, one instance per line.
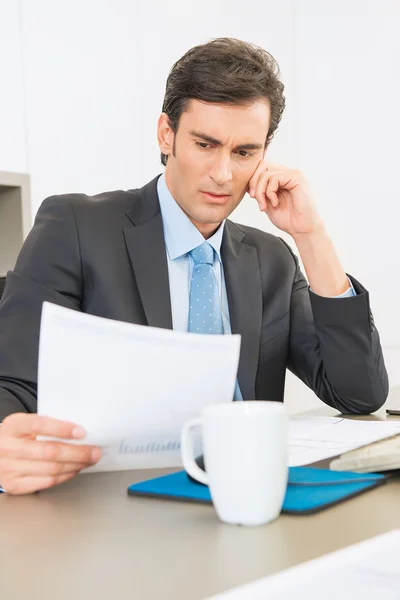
x=165, y=135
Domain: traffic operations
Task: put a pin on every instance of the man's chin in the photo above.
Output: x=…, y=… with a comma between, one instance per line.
x=213, y=214
x=214, y=217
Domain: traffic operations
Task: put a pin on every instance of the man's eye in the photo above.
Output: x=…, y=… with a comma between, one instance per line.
x=243, y=153
x=203, y=144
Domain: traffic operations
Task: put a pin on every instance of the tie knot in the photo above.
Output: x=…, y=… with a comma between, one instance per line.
x=203, y=254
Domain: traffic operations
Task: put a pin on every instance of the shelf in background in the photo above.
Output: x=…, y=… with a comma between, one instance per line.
x=15, y=217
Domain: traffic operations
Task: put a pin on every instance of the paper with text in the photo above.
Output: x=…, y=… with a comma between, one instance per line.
x=316, y=438
x=131, y=387
x=368, y=570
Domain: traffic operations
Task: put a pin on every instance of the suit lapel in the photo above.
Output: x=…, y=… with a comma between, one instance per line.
x=146, y=248
x=243, y=286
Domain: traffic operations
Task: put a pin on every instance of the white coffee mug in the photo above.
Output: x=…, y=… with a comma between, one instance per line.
x=245, y=447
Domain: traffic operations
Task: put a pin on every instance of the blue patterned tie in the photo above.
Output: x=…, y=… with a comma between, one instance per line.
x=204, y=304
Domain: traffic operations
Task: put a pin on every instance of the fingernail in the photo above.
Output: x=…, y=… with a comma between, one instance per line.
x=78, y=432
x=96, y=455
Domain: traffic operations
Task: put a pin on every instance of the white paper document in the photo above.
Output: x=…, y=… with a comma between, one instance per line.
x=131, y=387
x=369, y=570
x=315, y=438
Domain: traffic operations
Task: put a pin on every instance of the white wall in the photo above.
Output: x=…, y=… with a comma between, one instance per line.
x=12, y=117
x=348, y=126
x=85, y=83
x=95, y=78
x=348, y=98
x=81, y=88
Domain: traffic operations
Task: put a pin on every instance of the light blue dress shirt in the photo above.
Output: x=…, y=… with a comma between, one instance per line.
x=181, y=236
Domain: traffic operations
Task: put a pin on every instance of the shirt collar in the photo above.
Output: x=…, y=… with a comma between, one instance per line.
x=181, y=236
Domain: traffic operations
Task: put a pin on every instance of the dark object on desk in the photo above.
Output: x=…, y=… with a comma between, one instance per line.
x=2, y=285
x=393, y=411
x=309, y=490
x=200, y=462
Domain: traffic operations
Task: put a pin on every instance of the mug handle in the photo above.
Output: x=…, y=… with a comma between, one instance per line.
x=187, y=452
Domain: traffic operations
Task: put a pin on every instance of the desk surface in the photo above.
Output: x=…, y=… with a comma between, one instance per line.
x=88, y=539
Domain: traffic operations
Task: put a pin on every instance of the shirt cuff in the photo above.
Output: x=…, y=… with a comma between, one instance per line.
x=347, y=294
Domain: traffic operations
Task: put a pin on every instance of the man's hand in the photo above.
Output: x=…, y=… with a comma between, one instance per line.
x=283, y=194
x=28, y=465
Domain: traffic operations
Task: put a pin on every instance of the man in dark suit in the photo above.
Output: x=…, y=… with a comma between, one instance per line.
x=142, y=256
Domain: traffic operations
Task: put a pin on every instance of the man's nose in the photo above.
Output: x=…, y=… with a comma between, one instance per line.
x=221, y=171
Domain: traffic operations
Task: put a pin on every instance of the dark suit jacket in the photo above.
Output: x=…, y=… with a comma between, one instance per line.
x=105, y=255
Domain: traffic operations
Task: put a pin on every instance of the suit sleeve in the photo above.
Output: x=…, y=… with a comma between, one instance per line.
x=335, y=348
x=48, y=269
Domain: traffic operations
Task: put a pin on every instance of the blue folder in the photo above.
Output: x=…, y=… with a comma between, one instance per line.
x=309, y=490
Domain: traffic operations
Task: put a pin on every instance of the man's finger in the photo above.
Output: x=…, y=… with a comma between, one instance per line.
x=271, y=191
x=272, y=166
x=261, y=168
x=29, y=485
x=21, y=424
x=25, y=449
x=259, y=192
x=27, y=468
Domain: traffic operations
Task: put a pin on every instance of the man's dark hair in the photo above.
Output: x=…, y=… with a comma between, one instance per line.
x=228, y=71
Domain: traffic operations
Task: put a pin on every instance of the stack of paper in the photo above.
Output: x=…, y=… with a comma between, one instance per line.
x=316, y=438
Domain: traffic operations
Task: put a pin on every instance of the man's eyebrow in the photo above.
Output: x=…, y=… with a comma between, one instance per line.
x=250, y=147
x=215, y=142
x=205, y=137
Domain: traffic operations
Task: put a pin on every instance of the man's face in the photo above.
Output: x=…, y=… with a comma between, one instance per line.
x=216, y=150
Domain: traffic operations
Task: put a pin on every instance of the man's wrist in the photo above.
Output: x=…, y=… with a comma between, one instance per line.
x=321, y=263
x=311, y=238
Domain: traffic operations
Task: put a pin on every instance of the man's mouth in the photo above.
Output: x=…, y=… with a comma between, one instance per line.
x=216, y=197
